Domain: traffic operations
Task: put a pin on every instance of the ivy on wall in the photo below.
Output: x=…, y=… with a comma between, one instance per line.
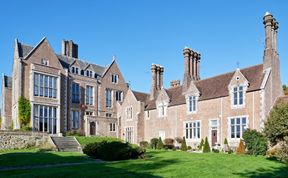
x=24, y=111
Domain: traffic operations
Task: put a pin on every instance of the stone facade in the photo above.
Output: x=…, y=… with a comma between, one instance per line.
x=95, y=100
x=224, y=105
x=47, y=79
x=19, y=140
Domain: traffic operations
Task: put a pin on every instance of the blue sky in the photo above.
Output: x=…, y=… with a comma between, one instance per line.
x=140, y=33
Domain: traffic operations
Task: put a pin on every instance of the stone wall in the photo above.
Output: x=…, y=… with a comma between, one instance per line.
x=19, y=140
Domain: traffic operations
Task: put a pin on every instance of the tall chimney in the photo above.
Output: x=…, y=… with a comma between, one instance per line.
x=271, y=27
x=198, y=66
x=187, y=68
x=161, y=77
x=154, y=82
x=69, y=48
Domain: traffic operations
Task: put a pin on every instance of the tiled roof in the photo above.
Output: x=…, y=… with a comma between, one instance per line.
x=65, y=61
x=140, y=96
x=214, y=87
x=7, y=81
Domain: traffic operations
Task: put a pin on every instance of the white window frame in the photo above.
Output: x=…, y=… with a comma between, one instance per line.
x=112, y=127
x=162, y=109
x=244, y=89
x=45, y=62
x=241, y=129
x=194, y=99
x=74, y=122
x=191, y=127
x=119, y=94
x=114, y=78
x=89, y=97
x=129, y=113
x=129, y=138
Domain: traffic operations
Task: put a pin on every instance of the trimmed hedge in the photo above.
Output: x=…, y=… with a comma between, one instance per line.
x=113, y=151
x=184, y=145
x=206, y=147
x=255, y=142
x=154, y=142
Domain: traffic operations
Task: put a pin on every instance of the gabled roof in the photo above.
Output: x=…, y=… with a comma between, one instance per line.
x=283, y=99
x=214, y=87
x=7, y=81
x=25, y=50
x=140, y=96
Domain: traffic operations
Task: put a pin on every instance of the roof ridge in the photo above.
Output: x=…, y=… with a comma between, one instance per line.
x=140, y=92
x=229, y=72
x=82, y=60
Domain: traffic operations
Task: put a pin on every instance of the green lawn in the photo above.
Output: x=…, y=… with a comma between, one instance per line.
x=35, y=156
x=168, y=164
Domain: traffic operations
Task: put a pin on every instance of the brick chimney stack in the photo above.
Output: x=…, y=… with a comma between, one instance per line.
x=191, y=66
x=157, y=80
x=69, y=48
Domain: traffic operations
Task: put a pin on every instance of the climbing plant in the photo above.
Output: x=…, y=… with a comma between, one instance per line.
x=24, y=111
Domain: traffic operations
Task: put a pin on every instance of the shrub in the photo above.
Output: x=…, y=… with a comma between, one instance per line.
x=255, y=142
x=144, y=144
x=178, y=140
x=282, y=153
x=73, y=133
x=113, y=151
x=226, y=146
x=24, y=111
x=183, y=145
x=189, y=148
x=169, y=141
x=241, y=148
x=276, y=125
x=170, y=147
x=225, y=141
x=230, y=151
x=200, y=146
x=206, y=147
x=215, y=150
x=154, y=142
x=160, y=144
x=26, y=128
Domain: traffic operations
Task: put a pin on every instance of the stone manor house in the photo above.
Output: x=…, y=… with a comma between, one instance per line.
x=67, y=93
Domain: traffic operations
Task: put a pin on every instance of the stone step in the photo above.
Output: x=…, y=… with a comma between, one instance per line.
x=66, y=144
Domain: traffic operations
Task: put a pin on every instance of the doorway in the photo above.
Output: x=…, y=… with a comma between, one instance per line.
x=92, y=128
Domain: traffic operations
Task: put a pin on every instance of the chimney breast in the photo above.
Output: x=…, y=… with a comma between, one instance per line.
x=69, y=48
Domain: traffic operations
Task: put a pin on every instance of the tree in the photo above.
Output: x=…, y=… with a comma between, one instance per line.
x=153, y=143
x=276, y=125
x=160, y=144
x=241, y=148
x=200, y=146
x=183, y=145
x=226, y=145
x=255, y=142
x=24, y=111
x=206, y=148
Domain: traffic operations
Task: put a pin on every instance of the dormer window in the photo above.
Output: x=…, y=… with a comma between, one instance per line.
x=89, y=73
x=76, y=70
x=73, y=70
x=238, y=96
x=192, y=103
x=45, y=62
x=162, y=109
x=114, y=78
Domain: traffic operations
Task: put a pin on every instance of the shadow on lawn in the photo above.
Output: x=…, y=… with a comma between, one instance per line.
x=128, y=168
x=272, y=172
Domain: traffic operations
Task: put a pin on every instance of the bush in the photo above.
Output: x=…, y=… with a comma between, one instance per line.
x=144, y=144
x=26, y=128
x=178, y=140
x=113, y=151
x=73, y=133
x=276, y=125
x=169, y=141
x=241, y=148
x=255, y=142
x=282, y=153
x=200, y=146
x=189, y=148
x=160, y=144
x=230, y=151
x=170, y=147
x=183, y=145
x=206, y=147
x=24, y=111
x=215, y=150
x=154, y=142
